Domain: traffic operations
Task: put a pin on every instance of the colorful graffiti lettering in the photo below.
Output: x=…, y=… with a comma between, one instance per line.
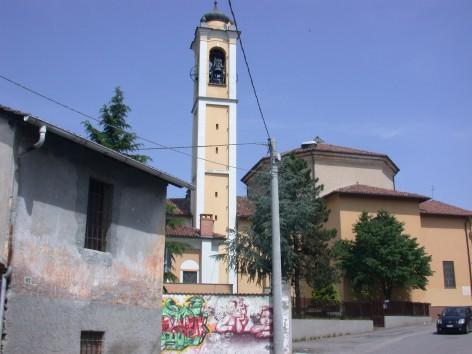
x=215, y=324
x=183, y=326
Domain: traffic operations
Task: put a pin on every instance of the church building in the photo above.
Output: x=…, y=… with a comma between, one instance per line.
x=354, y=181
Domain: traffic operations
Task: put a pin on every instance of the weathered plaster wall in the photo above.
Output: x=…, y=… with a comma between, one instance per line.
x=51, y=265
x=6, y=183
x=44, y=325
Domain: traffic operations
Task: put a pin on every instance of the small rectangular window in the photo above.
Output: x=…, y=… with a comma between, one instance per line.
x=98, y=215
x=216, y=217
x=189, y=277
x=216, y=149
x=449, y=276
x=91, y=342
x=217, y=126
x=216, y=194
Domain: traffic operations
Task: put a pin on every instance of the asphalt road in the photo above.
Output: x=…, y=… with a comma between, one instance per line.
x=407, y=340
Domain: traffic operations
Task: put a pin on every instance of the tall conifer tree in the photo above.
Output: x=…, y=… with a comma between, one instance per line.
x=305, y=242
x=115, y=132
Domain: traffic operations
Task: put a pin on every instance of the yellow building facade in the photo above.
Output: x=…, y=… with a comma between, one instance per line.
x=356, y=181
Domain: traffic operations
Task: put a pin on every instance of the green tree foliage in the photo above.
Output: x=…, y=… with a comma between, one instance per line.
x=329, y=294
x=115, y=132
x=172, y=222
x=172, y=248
x=306, y=254
x=382, y=257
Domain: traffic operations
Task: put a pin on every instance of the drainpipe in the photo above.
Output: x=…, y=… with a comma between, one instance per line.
x=467, y=229
x=42, y=135
x=5, y=277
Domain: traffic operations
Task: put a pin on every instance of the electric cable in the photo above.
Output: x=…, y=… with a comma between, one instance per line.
x=160, y=146
x=249, y=70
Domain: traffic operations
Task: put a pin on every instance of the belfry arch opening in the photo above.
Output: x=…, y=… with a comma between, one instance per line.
x=217, y=67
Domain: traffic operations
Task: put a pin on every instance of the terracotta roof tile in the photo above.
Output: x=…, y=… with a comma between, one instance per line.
x=438, y=208
x=188, y=231
x=361, y=189
x=181, y=205
x=182, y=230
x=336, y=148
x=244, y=207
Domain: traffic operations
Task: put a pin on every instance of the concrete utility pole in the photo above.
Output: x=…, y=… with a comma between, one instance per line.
x=278, y=330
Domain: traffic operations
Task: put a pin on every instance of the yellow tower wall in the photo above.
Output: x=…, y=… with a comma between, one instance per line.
x=217, y=133
x=216, y=200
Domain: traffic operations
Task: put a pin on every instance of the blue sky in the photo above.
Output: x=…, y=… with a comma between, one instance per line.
x=381, y=75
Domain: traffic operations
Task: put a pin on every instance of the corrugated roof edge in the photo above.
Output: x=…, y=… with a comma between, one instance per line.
x=99, y=148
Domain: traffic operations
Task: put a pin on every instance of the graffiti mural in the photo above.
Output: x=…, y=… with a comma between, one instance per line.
x=216, y=324
x=183, y=325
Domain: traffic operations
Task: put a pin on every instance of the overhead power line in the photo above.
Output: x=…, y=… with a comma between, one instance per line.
x=159, y=145
x=48, y=98
x=202, y=146
x=249, y=70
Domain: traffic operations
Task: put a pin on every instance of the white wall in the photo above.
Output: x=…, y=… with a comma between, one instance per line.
x=313, y=328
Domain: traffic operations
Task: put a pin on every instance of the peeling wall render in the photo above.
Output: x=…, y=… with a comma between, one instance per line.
x=58, y=288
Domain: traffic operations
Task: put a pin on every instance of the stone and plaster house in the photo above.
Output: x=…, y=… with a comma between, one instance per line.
x=82, y=236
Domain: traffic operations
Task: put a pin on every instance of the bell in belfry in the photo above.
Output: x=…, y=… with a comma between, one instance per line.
x=217, y=71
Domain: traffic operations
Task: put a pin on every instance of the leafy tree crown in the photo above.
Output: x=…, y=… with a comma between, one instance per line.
x=383, y=258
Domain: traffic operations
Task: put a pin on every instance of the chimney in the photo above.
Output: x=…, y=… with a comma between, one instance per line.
x=206, y=225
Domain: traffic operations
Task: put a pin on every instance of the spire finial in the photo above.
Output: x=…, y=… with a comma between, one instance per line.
x=215, y=3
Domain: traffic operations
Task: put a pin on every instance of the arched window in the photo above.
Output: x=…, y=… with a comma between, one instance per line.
x=189, y=271
x=217, y=67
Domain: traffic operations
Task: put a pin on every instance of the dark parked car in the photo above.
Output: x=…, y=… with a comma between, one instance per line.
x=455, y=319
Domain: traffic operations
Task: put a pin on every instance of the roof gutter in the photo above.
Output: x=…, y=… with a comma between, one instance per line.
x=107, y=152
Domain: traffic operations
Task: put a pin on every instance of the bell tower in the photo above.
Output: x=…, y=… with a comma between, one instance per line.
x=214, y=130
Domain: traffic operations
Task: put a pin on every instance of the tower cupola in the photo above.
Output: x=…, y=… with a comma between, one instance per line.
x=216, y=18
